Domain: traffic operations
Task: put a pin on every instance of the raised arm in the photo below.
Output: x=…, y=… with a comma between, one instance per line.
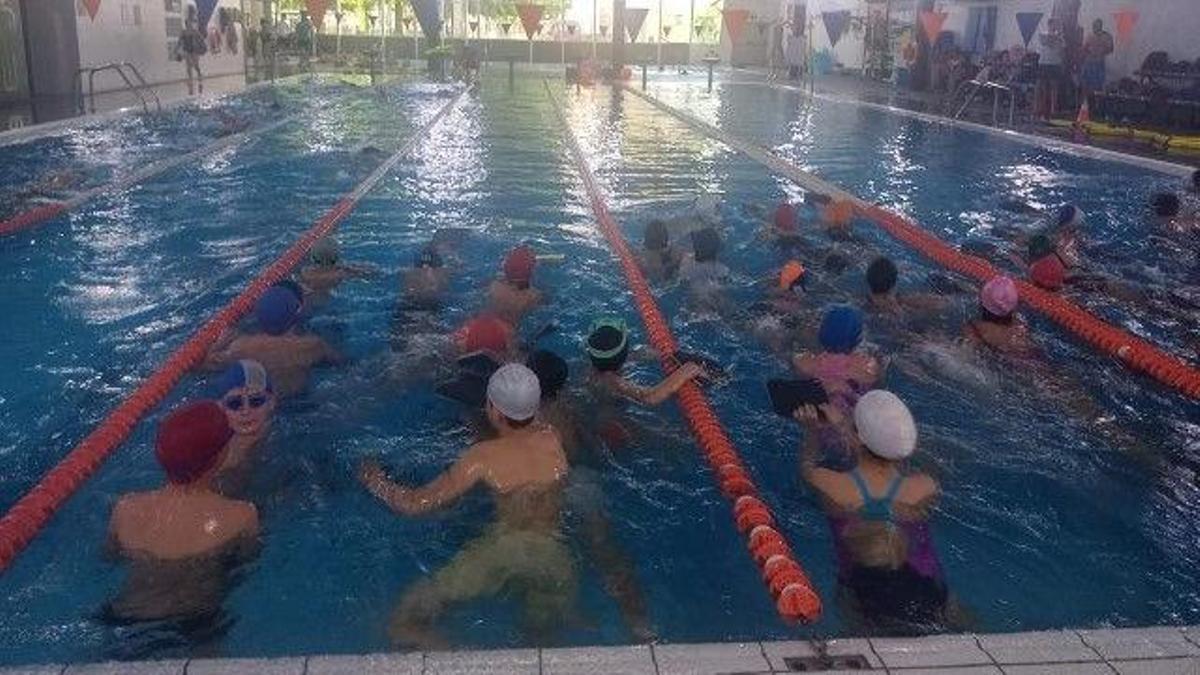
x=653, y=396
x=446, y=488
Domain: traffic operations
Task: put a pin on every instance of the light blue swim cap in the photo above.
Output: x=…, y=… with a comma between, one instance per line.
x=247, y=373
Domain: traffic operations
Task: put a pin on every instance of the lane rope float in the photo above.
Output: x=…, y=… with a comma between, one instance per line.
x=1131, y=350
x=43, y=212
x=31, y=513
x=793, y=592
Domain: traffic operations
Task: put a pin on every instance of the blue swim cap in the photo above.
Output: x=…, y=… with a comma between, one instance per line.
x=841, y=329
x=247, y=373
x=277, y=310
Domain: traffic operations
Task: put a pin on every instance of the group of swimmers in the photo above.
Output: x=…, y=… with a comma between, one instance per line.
x=537, y=452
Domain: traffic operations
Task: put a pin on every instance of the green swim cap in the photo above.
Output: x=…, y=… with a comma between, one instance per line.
x=601, y=341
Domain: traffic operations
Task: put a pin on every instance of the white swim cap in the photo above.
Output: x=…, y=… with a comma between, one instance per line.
x=515, y=392
x=885, y=425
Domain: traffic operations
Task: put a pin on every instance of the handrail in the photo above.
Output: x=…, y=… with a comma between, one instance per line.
x=145, y=87
x=119, y=68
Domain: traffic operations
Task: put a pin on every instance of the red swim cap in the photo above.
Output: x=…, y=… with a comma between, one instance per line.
x=785, y=218
x=191, y=440
x=519, y=264
x=484, y=334
x=1048, y=272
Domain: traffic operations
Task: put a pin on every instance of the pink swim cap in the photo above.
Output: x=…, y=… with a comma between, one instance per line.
x=999, y=296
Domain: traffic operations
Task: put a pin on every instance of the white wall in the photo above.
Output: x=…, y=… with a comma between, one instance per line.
x=136, y=31
x=1163, y=25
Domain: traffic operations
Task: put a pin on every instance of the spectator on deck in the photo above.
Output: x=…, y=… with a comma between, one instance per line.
x=1095, y=52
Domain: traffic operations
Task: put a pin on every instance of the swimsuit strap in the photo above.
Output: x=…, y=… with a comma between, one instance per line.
x=876, y=508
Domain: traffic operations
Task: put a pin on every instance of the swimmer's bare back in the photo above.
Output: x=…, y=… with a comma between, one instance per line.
x=173, y=524
x=286, y=358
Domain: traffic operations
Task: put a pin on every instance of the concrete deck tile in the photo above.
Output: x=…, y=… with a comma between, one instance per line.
x=1041, y=647
x=367, y=664
x=951, y=670
x=710, y=659
x=632, y=660
x=1187, y=666
x=778, y=651
x=497, y=662
x=33, y=670
x=1140, y=643
x=284, y=666
x=1094, y=668
x=935, y=651
x=128, y=668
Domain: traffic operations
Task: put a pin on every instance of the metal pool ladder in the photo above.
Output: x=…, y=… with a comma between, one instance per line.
x=140, y=88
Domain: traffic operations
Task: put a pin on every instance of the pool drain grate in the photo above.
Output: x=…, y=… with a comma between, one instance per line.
x=819, y=664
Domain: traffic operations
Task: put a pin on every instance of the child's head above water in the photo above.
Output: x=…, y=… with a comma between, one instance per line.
x=656, y=237
x=841, y=329
x=882, y=275
x=998, y=299
x=324, y=252
x=518, y=266
x=608, y=344
x=706, y=244
x=1165, y=205
x=551, y=371
x=191, y=441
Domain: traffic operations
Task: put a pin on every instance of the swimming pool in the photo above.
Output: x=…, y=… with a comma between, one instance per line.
x=1043, y=523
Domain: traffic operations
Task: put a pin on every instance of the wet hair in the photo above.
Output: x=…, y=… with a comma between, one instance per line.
x=706, y=243
x=551, y=372
x=1039, y=246
x=995, y=318
x=607, y=338
x=656, y=237
x=882, y=275
x=835, y=263
x=1165, y=205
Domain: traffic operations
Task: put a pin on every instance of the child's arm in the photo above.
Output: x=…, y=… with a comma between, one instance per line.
x=653, y=396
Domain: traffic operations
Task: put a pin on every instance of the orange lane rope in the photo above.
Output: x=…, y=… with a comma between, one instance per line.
x=1133, y=351
x=31, y=513
x=794, y=595
x=44, y=212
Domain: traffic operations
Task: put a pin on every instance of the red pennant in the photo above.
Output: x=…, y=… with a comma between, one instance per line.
x=931, y=23
x=531, y=18
x=1125, y=19
x=316, y=11
x=735, y=21
x=92, y=7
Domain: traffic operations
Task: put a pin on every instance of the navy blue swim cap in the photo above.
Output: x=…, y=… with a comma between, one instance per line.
x=247, y=373
x=277, y=310
x=841, y=329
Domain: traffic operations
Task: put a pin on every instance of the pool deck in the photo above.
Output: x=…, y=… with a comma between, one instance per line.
x=1138, y=651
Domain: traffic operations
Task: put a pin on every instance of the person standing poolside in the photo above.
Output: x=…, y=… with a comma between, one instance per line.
x=181, y=540
x=513, y=296
x=879, y=514
x=1093, y=73
x=522, y=552
x=304, y=41
x=1050, y=69
x=192, y=46
x=287, y=354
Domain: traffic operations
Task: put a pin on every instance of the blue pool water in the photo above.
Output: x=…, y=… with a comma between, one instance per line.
x=1044, y=522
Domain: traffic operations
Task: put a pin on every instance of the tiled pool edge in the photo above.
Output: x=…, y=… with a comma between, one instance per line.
x=1131, y=651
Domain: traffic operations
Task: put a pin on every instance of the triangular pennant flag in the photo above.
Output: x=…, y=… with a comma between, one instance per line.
x=474, y=26
x=92, y=6
x=570, y=29
x=505, y=26
x=603, y=31
x=835, y=24
x=762, y=28
x=204, y=12
x=634, y=18
x=1028, y=23
x=931, y=23
x=1125, y=19
x=735, y=21
x=531, y=18
x=407, y=21
x=666, y=31
x=316, y=11
x=429, y=16
x=698, y=29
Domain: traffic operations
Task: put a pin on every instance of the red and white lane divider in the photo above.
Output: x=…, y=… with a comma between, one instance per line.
x=44, y=212
x=793, y=592
x=1136, y=353
x=31, y=513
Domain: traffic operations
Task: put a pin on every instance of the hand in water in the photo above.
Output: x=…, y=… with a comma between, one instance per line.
x=373, y=477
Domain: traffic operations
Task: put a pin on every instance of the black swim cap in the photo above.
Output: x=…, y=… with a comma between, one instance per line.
x=706, y=244
x=882, y=275
x=835, y=263
x=551, y=371
x=656, y=237
x=1165, y=205
x=1039, y=246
